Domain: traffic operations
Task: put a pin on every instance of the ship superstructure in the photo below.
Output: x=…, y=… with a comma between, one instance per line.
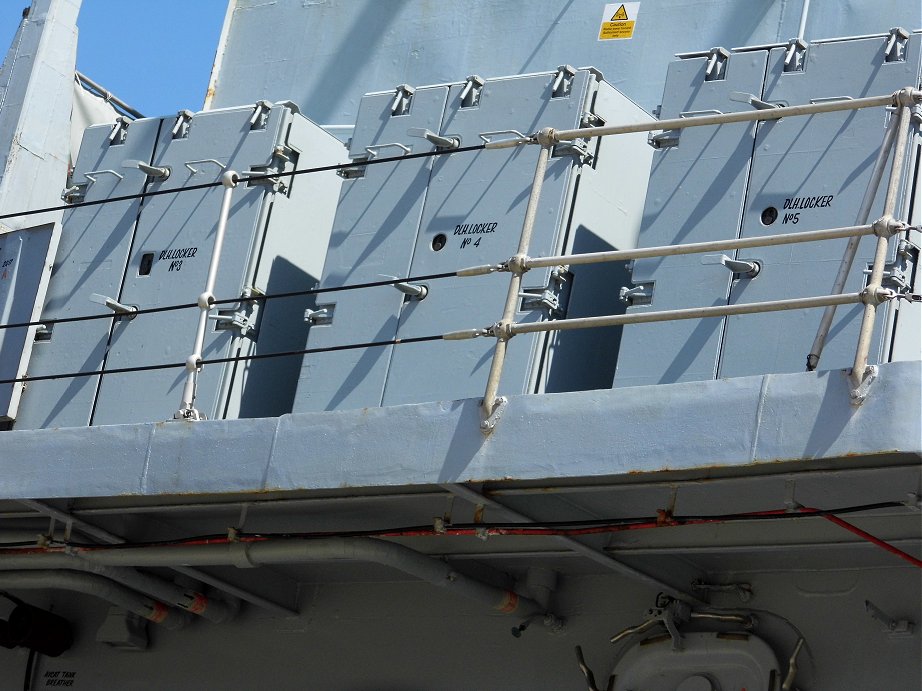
x=493, y=379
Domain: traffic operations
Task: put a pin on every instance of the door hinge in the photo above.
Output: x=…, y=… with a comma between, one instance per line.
x=591, y=120
x=403, y=98
x=75, y=193
x=260, y=117
x=664, y=139
x=641, y=294
x=794, y=55
x=715, y=68
x=563, y=82
x=577, y=148
x=181, y=126
x=473, y=89
x=322, y=315
x=242, y=316
x=898, y=272
x=553, y=298
x=283, y=160
x=895, y=49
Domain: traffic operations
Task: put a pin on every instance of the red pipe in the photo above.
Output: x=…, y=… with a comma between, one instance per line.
x=870, y=538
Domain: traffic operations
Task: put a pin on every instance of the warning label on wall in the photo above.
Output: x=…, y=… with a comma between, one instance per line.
x=618, y=21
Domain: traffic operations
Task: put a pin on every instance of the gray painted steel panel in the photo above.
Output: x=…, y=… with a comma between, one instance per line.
x=36, y=98
x=91, y=258
x=170, y=227
x=808, y=582
x=102, y=252
x=24, y=268
x=472, y=207
x=325, y=54
x=606, y=214
x=471, y=192
x=830, y=157
x=294, y=247
x=696, y=194
x=376, y=225
x=710, y=427
x=351, y=649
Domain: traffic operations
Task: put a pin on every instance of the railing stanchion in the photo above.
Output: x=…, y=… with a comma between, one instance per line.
x=206, y=300
x=851, y=249
x=861, y=374
x=517, y=266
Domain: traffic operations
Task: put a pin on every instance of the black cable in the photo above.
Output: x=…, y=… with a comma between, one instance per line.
x=334, y=289
x=250, y=178
x=216, y=361
x=228, y=301
x=550, y=525
x=795, y=513
x=91, y=317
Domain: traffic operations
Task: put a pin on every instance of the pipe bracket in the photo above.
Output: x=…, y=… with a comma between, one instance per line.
x=860, y=389
x=488, y=424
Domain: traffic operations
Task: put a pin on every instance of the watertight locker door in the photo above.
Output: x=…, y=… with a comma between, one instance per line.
x=23, y=279
x=91, y=258
x=373, y=236
x=474, y=213
x=696, y=193
x=170, y=259
x=814, y=172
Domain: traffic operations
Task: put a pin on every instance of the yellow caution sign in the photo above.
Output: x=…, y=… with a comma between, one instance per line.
x=618, y=21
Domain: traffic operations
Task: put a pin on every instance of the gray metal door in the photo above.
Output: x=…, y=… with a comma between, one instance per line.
x=814, y=172
x=376, y=225
x=473, y=215
x=170, y=259
x=23, y=277
x=91, y=258
x=696, y=192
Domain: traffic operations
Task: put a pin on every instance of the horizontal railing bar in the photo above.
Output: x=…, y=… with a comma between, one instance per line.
x=727, y=118
x=698, y=247
x=691, y=313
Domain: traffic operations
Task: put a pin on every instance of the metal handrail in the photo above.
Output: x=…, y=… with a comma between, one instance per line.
x=701, y=247
x=861, y=373
x=691, y=313
x=873, y=295
x=729, y=118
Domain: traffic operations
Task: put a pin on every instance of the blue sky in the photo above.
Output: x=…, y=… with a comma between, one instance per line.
x=154, y=54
